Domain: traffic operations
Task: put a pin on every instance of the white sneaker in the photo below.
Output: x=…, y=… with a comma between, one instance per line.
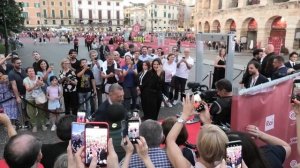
x=169, y=104
x=175, y=102
x=34, y=129
x=53, y=128
x=162, y=104
x=44, y=128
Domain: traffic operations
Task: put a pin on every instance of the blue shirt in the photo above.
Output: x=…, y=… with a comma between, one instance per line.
x=145, y=58
x=158, y=157
x=129, y=79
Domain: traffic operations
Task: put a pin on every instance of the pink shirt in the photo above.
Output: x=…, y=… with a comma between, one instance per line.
x=53, y=91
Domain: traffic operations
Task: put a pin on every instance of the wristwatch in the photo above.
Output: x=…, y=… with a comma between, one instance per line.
x=180, y=120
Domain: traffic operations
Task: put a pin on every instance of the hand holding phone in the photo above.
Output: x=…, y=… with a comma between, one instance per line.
x=81, y=117
x=77, y=138
x=96, y=139
x=234, y=154
x=296, y=90
x=133, y=130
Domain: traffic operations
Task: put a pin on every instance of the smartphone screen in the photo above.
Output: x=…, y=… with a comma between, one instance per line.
x=77, y=139
x=81, y=117
x=296, y=90
x=133, y=130
x=96, y=136
x=234, y=154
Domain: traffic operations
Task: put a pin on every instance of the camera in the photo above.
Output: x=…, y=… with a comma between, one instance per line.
x=206, y=95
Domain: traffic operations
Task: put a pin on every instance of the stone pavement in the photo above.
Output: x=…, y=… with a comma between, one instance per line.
x=54, y=52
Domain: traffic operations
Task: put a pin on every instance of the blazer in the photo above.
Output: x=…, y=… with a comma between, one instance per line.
x=261, y=79
x=288, y=64
x=279, y=73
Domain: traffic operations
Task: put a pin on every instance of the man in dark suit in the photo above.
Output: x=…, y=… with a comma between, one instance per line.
x=257, y=54
x=115, y=95
x=292, y=60
x=103, y=50
x=266, y=65
x=254, y=78
x=280, y=69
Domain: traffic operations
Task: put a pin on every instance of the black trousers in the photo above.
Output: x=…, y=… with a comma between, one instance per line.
x=179, y=86
x=151, y=102
x=71, y=102
x=76, y=48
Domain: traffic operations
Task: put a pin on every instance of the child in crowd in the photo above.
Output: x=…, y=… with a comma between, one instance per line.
x=54, y=93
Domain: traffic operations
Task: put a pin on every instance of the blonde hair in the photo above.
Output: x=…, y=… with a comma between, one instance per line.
x=211, y=143
x=63, y=61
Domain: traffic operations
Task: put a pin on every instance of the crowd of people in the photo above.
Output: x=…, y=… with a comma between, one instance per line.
x=108, y=86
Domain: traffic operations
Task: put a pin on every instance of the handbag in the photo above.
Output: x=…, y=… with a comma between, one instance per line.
x=41, y=99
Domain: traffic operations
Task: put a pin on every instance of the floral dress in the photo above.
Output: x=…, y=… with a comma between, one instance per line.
x=7, y=100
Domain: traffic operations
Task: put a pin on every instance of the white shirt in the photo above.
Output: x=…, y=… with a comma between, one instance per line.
x=170, y=70
x=182, y=71
x=253, y=81
x=128, y=53
x=96, y=72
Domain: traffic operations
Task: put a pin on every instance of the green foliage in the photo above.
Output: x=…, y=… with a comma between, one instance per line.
x=12, y=11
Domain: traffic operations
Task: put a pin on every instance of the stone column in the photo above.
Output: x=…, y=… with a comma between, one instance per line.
x=289, y=37
x=225, y=4
x=242, y=3
x=262, y=37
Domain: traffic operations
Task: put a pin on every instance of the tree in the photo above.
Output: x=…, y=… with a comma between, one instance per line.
x=11, y=19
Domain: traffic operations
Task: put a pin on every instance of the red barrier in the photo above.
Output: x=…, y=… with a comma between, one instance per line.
x=271, y=112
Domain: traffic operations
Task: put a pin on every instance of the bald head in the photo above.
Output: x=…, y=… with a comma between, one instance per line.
x=270, y=48
x=22, y=151
x=186, y=52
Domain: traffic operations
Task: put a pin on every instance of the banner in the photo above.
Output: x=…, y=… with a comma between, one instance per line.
x=270, y=110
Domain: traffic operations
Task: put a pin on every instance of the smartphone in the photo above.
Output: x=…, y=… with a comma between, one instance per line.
x=96, y=137
x=296, y=90
x=234, y=154
x=81, y=117
x=133, y=130
x=77, y=138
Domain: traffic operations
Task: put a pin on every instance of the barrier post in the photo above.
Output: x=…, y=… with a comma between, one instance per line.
x=199, y=58
x=230, y=56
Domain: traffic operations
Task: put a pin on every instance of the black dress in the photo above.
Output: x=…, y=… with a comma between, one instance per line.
x=151, y=93
x=219, y=73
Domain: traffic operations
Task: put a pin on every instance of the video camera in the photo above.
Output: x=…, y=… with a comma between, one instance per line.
x=206, y=95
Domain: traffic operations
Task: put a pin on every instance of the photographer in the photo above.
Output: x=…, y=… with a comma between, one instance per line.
x=220, y=110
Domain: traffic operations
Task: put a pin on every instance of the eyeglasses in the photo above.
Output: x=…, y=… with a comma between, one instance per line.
x=67, y=63
x=18, y=63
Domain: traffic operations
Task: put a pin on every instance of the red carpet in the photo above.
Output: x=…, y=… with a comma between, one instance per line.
x=193, y=130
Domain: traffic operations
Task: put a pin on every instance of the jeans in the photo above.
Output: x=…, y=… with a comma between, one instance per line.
x=179, y=86
x=86, y=106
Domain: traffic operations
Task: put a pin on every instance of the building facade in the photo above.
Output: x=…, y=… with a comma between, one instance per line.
x=135, y=14
x=56, y=13
x=104, y=14
x=164, y=15
x=254, y=22
x=31, y=13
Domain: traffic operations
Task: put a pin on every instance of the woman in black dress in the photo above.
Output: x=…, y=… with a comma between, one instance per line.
x=220, y=64
x=151, y=82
